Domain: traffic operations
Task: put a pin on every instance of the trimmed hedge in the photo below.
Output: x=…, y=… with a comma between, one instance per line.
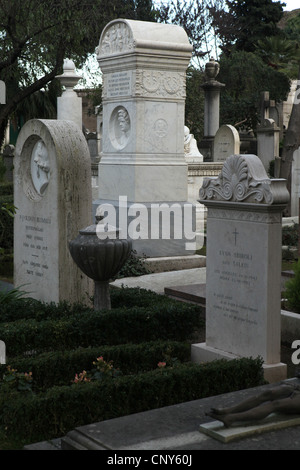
x=61, y=409
x=124, y=298
x=91, y=328
x=136, y=296
x=23, y=308
x=56, y=342
x=60, y=367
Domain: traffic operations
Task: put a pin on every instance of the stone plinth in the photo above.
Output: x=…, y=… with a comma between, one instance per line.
x=243, y=293
x=52, y=193
x=196, y=174
x=212, y=89
x=144, y=74
x=268, y=142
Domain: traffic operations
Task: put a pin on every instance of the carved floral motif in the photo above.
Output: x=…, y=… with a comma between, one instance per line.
x=235, y=183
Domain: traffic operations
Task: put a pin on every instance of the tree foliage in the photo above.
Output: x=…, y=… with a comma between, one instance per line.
x=37, y=36
x=195, y=18
x=194, y=103
x=246, y=76
x=280, y=53
x=244, y=22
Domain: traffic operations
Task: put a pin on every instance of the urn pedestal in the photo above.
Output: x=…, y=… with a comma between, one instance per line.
x=100, y=254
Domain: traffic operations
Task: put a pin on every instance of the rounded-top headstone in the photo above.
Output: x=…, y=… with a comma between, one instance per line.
x=52, y=193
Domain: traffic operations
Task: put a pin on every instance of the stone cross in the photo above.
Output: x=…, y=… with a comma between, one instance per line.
x=265, y=105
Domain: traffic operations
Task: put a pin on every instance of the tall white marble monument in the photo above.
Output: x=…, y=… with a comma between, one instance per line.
x=144, y=76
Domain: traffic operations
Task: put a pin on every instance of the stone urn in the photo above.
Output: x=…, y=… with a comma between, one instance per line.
x=212, y=69
x=100, y=253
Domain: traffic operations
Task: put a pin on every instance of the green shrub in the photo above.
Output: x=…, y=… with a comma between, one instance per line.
x=8, y=297
x=48, y=344
x=6, y=223
x=134, y=266
x=6, y=264
x=136, y=296
x=292, y=290
x=60, y=367
x=52, y=414
x=91, y=328
x=19, y=308
x=124, y=298
x=2, y=169
x=290, y=235
x=6, y=189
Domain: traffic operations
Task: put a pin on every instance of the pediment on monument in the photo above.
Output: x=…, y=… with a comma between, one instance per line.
x=243, y=179
x=124, y=36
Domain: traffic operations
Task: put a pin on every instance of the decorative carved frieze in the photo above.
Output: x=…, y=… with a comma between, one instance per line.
x=160, y=83
x=116, y=39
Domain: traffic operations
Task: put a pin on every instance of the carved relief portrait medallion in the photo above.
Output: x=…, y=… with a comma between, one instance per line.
x=119, y=127
x=40, y=167
x=34, y=170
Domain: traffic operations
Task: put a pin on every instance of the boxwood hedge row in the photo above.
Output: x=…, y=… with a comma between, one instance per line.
x=56, y=342
x=35, y=417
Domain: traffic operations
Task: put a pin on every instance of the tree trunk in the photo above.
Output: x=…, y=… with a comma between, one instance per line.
x=290, y=144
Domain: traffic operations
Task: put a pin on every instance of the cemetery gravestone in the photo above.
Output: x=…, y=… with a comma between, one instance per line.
x=144, y=75
x=226, y=143
x=295, y=183
x=268, y=133
x=268, y=142
x=2, y=352
x=243, y=295
x=52, y=193
x=2, y=92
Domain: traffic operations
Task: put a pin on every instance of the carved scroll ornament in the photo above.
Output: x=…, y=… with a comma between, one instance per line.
x=236, y=183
